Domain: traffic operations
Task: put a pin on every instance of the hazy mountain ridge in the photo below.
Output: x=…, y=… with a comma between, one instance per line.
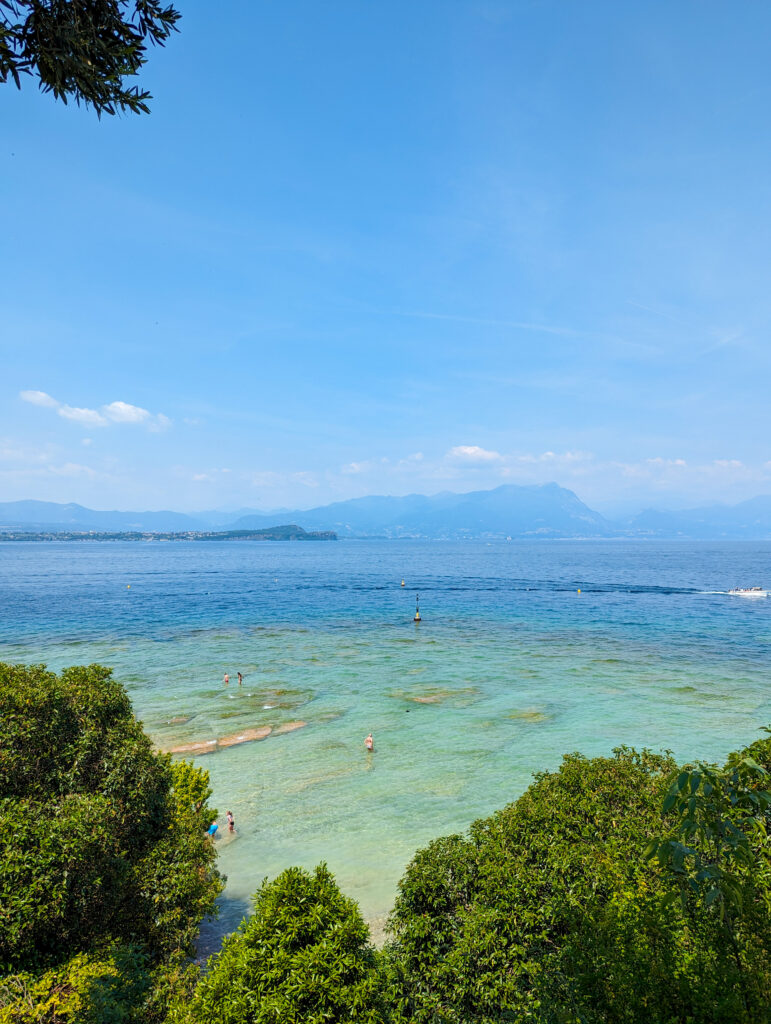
x=537, y=511
x=33, y=515
x=749, y=520
x=510, y=510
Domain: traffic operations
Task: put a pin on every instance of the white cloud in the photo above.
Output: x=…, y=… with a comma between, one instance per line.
x=159, y=423
x=89, y=417
x=86, y=441
x=209, y=474
x=555, y=458
x=305, y=478
x=473, y=453
x=112, y=412
x=38, y=398
x=122, y=412
x=11, y=452
x=265, y=478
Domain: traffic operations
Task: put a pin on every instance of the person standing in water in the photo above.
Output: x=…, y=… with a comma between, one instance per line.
x=231, y=822
x=369, y=743
x=240, y=679
x=227, y=679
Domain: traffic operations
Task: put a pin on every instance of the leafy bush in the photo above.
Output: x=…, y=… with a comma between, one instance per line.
x=192, y=790
x=89, y=989
x=720, y=860
x=97, y=850
x=303, y=958
x=549, y=911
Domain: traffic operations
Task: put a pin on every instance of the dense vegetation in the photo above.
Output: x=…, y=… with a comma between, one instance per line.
x=552, y=910
x=104, y=871
x=304, y=956
x=616, y=890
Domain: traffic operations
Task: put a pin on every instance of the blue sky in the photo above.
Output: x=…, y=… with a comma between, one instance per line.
x=370, y=247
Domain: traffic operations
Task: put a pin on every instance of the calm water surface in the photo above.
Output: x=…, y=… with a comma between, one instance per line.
x=509, y=668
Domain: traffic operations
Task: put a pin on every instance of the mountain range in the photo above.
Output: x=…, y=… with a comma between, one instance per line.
x=538, y=511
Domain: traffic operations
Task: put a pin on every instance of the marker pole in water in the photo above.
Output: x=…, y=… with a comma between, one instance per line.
x=417, y=608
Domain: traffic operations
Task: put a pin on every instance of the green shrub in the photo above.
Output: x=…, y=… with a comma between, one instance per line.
x=192, y=791
x=89, y=989
x=719, y=858
x=303, y=958
x=97, y=848
x=549, y=911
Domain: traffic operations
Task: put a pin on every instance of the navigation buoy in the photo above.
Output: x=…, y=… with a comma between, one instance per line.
x=128, y=586
x=578, y=591
x=417, y=608
x=402, y=582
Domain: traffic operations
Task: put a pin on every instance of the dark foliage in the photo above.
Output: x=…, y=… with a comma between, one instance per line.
x=83, y=49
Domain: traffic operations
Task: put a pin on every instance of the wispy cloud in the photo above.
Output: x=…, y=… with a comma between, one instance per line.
x=471, y=453
x=519, y=325
x=209, y=475
x=88, y=417
x=38, y=398
x=72, y=469
x=664, y=314
x=112, y=412
x=666, y=479
x=13, y=452
x=724, y=341
x=122, y=412
x=354, y=468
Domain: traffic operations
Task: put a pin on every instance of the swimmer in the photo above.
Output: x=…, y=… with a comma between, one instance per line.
x=231, y=822
x=369, y=743
x=240, y=679
x=227, y=679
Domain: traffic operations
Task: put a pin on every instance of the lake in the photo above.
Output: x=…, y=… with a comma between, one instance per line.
x=510, y=667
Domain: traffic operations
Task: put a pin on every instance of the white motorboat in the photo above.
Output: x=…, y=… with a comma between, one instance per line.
x=748, y=592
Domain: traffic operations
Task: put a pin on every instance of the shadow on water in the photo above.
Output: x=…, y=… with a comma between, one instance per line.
x=232, y=910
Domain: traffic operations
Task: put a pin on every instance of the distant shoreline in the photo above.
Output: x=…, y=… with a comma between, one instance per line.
x=276, y=533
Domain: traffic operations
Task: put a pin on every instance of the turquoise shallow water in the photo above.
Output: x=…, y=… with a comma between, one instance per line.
x=510, y=668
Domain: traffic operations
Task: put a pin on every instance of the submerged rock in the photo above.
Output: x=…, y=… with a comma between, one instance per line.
x=460, y=696
x=250, y=735
x=529, y=716
x=289, y=727
x=245, y=736
x=204, y=747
